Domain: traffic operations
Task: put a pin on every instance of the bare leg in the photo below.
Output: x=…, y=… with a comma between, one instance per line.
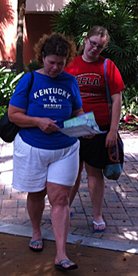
x=59, y=199
x=75, y=188
x=96, y=190
x=35, y=206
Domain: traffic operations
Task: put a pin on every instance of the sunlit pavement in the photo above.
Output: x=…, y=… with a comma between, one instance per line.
x=120, y=205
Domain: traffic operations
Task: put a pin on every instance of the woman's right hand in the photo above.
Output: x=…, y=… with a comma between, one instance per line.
x=47, y=125
x=18, y=116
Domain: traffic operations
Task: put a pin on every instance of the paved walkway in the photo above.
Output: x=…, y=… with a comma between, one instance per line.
x=120, y=205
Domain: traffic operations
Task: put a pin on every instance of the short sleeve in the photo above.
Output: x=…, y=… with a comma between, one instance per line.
x=20, y=95
x=77, y=102
x=114, y=78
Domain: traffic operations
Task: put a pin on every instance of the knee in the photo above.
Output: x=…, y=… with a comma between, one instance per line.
x=37, y=195
x=60, y=200
x=93, y=172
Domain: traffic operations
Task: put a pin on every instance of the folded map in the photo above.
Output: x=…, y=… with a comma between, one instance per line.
x=82, y=125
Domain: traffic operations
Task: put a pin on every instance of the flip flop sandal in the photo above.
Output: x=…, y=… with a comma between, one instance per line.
x=97, y=230
x=36, y=245
x=65, y=265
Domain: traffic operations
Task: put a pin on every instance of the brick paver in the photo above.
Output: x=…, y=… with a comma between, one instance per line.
x=120, y=201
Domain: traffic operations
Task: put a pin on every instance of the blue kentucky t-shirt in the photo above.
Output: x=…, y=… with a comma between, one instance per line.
x=54, y=98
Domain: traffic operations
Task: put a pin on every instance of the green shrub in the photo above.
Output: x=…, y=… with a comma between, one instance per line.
x=120, y=17
x=130, y=101
x=33, y=65
x=76, y=18
x=8, y=81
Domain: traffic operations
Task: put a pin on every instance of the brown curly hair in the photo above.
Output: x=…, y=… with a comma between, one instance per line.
x=54, y=44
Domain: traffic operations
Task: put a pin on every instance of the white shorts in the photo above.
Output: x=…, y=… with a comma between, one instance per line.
x=33, y=167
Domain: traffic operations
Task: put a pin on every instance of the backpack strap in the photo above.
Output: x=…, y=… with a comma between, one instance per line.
x=31, y=81
x=108, y=95
x=113, y=153
x=30, y=84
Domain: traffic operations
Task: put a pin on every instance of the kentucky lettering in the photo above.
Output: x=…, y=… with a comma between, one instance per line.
x=51, y=91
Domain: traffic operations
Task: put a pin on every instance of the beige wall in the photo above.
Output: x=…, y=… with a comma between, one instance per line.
x=45, y=5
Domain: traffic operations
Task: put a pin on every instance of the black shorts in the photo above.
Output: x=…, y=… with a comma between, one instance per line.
x=94, y=152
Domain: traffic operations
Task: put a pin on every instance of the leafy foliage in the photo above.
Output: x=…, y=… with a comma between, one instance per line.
x=130, y=101
x=118, y=17
x=8, y=81
x=33, y=65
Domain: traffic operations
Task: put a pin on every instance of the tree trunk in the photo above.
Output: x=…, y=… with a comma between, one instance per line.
x=19, y=41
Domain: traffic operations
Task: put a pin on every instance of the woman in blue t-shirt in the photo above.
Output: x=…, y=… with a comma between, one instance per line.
x=45, y=160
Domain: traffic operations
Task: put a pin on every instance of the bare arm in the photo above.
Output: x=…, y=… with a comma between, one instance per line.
x=115, y=118
x=77, y=112
x=18, y=116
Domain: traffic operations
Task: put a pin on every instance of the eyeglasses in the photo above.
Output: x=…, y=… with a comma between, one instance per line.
x=94, y=44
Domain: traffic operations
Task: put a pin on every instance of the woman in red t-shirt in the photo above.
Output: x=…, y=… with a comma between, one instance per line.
x=89, y=71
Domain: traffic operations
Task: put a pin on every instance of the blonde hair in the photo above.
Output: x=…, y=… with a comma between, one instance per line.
x=99, y=30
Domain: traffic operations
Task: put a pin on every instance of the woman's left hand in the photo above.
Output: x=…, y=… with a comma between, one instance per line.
x=111, y=138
